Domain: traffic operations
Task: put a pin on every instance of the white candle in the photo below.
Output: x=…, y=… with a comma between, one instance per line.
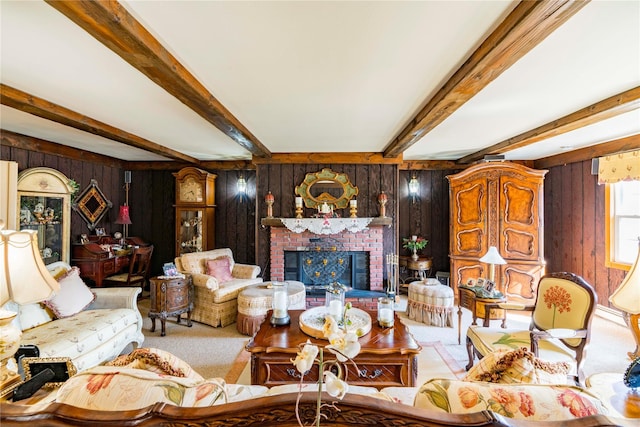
x=386, y=315
x=280, y=304
x=299, y=202
x=414, y=238
x=335, y=308
x=353, y=203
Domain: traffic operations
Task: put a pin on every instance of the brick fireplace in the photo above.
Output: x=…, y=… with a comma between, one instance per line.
x=369, y=240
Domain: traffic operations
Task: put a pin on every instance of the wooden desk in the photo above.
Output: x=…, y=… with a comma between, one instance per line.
x=388, y=357
x=95, y=263
x=467, y=298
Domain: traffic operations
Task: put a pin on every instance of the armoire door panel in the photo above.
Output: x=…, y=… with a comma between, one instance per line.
x=465, y=271
x=519, y=205
x=519, y=244
x=521, y=281
x=471, y=205
x=470, y=241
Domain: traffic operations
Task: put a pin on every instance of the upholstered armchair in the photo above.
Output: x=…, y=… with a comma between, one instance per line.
x=217, y=281
x=560, y=324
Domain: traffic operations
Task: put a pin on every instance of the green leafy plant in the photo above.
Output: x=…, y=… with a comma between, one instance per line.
x=414, y=245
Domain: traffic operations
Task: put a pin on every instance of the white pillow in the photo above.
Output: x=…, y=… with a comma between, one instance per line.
x=73, y=297
x=32, y=315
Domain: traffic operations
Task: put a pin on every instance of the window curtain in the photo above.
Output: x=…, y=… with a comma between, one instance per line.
x=619, y=167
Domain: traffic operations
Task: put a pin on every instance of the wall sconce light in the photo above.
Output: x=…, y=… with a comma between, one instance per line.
x=242, y=185
x=414, y=187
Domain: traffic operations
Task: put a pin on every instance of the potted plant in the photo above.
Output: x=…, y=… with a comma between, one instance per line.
x=414, y=244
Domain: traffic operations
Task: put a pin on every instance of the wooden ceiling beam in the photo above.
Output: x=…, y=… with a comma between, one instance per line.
x=310, y=158
x=112, y=25
x=606, y=148
x=17, y=140
x=618, y=104
x=31, y=104
x=527, y=25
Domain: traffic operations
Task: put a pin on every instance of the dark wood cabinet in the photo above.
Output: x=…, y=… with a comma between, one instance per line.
x=498, y=204
x=96, y=261
x=195, y=210
x=170, y=296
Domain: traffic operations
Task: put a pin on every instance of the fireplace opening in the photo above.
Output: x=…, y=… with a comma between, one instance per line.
x=355, y=275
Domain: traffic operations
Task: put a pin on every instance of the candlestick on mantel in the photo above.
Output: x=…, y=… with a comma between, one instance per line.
x=353, y=208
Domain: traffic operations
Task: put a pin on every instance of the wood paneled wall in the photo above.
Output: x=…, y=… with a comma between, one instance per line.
x=281, y=180
x=428, y=215
x=574, y=221
x=574, y=209
x=110, y=180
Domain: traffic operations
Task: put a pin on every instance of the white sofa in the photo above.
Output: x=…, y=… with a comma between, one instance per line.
x=98, y=333
x=216, y=299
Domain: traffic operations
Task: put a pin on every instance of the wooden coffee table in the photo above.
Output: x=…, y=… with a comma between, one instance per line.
x=388, y=357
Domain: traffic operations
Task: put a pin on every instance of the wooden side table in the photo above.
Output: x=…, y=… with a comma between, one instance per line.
x=467, y=298
x=421, y=269
x=170, y=296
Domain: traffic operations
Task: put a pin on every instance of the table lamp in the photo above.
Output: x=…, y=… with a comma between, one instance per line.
x=627, y=299
x=492, y=257
x=24, y=279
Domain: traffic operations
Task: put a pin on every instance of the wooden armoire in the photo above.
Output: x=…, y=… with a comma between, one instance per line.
x=498, y=204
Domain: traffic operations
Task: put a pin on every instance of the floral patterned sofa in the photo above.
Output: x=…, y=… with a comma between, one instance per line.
x=147, y=378
x=217, y=280
x=90, y=326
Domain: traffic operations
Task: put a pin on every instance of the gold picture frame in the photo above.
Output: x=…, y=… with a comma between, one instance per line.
x=62, y=367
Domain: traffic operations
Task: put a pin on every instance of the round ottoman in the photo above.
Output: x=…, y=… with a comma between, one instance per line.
x=430, y=302
x=254, y=302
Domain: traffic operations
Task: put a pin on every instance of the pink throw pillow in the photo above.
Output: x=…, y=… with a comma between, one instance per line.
x=220, y=268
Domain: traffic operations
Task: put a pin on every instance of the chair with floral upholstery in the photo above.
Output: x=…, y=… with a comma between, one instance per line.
x=560, y=324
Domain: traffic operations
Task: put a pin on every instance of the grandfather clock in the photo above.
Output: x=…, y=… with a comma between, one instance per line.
x=195, y=210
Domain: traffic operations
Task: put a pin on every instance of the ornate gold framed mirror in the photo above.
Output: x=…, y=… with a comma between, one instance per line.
x=328, y=187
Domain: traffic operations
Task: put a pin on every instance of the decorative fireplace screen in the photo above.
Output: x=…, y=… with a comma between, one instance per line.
x=324, y=261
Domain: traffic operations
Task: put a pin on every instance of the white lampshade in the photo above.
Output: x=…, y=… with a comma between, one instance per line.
x=24, y=278
x=492, y=257
x=627, y=296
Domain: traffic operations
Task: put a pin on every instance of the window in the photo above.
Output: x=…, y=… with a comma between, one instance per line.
x=622, y=204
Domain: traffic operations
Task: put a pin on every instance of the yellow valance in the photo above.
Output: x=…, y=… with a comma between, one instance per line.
x=619, y=167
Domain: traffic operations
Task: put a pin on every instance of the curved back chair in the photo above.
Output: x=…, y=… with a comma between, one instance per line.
x=559, y=328
x=138, y=273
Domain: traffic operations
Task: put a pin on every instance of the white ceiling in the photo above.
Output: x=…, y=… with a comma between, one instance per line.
x=321, y=76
